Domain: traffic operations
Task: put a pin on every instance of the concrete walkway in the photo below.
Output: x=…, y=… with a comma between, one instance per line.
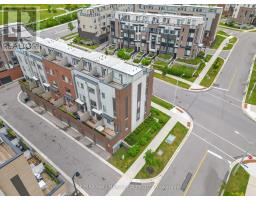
x=196, y=84
x=127, y=178
x=251, y=187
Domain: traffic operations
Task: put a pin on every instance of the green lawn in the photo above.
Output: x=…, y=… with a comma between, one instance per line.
x=223, y=33
x=168, y=150
x=217, y=42
x=192, y=61
x=162, y=102
x=237, y=183
x=160, y=64
x=207, y=58
x=12, y=16
x=212, y=73
x=252, y=99
x=165, y=56
x=171, y=80
x=231, y=43
x=197, y=72
x=139, y=140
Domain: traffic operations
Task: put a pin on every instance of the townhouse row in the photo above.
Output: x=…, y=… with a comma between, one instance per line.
x=96, y=22
x=105, y=93
x=240, y=13
x=181, y=36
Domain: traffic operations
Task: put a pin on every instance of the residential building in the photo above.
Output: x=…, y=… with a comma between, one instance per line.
x=107, y=94
x=9, y=66
x=181, y=36
x=23, y=172
x=244, y=14
x=16, y=177
x=93, y=22
x=210, y=14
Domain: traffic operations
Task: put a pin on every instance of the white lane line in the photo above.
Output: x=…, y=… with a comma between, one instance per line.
x=67, y=177
x=228, y=102
x=236, y=132
x=212, y=145
x=70, y=137
x=215, y=154
x=219, y=88
x=224, y=139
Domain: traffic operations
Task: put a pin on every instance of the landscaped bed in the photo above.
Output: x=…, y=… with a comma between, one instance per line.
x=110, y=50
x=139, y=139
x=165, y=56
x=231, y=43
x=172, y=80
x=138, y=57
x=125, y=53
x=251, y=95
x=161, y=102
x=192, y=61
x=163, y=154
x=69, y=36
x=212, y=73
x=84, y=42
x=217, y=42
x=237, y=183
x=207, y=58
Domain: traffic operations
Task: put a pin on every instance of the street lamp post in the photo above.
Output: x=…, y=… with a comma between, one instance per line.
x=76, y=174
x=177, y=82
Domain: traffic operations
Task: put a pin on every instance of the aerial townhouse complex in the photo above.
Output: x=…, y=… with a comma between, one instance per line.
x=9, y=66
x=93, y=22
x=211, y=15
x=181, y=36
x=107, y=94
x=244, y=14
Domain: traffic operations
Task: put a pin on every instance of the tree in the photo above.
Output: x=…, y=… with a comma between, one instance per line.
x=150, y=158
x=71, y=26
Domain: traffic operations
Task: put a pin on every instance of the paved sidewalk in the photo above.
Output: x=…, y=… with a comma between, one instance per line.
x=251, y=187
x=127, y=178
x=209, y=64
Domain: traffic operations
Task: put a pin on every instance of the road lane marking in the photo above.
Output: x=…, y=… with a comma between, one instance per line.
x=228, y=102
x=215, y=154
x=237, y=132
x=197, y=170
x=232, y=79
x=224, y=139
x=219, y=88
x=220, y=150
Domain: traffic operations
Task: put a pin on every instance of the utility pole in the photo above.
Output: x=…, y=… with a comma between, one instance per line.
x=76, y=174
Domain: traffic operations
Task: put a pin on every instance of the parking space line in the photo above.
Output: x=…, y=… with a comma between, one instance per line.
x=197, y=170
x=215, y=154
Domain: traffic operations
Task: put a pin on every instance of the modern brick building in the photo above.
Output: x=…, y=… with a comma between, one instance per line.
x=244, y=14
x=9, y=66
x=107, y=94
x=93, y=22
x=211, y=15
x=181, y=36
x=94, y=25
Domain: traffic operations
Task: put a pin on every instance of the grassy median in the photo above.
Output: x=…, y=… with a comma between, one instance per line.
x=139, y=140
x=217, y=42
x=237, y=183
x=162, y=102
x=167, y=150
x=212, y=73
x=251, y=92
x=171, y=80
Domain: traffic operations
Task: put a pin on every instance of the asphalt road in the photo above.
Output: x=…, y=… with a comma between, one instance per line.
x=96, y=177
x=219, y=122
x=57, y=31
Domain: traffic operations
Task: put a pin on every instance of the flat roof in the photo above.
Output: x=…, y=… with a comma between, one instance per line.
x=100, y=58
x=185, y=5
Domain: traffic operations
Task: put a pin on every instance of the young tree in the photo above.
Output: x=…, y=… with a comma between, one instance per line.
x=150, y=158
x=71, y=26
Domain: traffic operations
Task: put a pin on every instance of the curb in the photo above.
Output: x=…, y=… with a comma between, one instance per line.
x=246, y=89
x=70, y=137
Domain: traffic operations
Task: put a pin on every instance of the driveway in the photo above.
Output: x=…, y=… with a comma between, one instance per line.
x=96, y=177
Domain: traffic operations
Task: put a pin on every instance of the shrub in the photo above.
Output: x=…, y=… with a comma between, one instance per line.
x=134, y=150
x=201, y=54
x=123, y=54
x=150, y=158
x=146, y=61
